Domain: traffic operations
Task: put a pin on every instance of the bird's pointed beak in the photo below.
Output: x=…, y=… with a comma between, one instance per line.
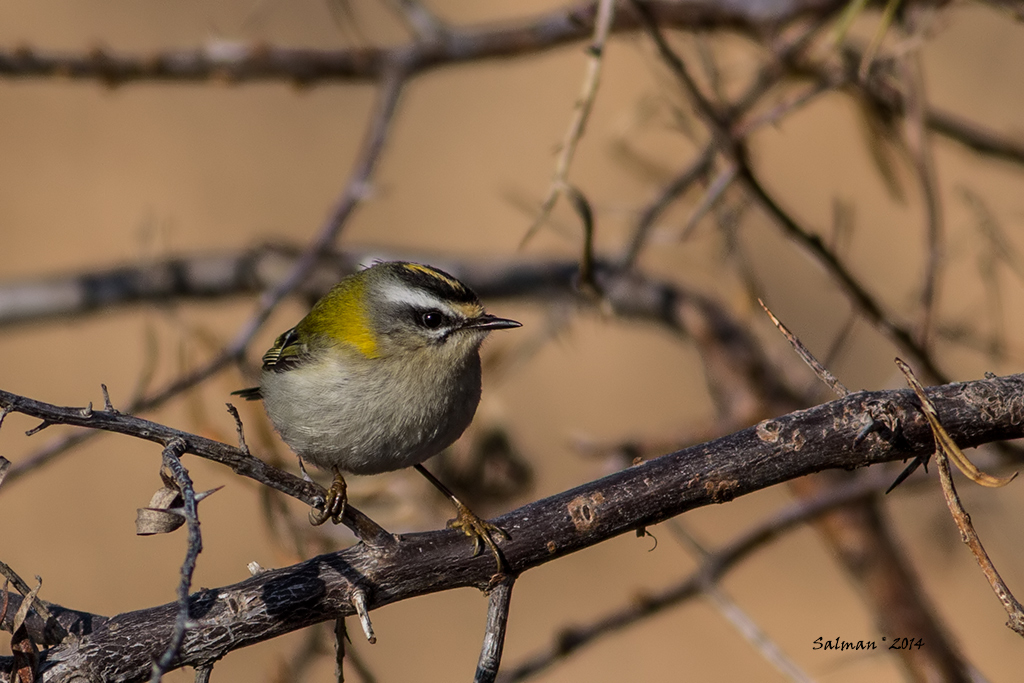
x=490, y=322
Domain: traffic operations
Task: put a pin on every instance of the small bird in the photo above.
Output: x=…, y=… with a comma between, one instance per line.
x=381, y=374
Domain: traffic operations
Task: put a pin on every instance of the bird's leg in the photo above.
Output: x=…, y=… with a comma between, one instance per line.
x=468, y=521
x=334, y=504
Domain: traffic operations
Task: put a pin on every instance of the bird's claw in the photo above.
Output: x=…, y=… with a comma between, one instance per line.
x=334, y=504
x=480, y=531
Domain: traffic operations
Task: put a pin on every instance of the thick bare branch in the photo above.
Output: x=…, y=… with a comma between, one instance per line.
x=279, y=601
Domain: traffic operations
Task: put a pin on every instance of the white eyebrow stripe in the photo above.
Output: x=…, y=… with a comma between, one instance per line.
x=417, y=298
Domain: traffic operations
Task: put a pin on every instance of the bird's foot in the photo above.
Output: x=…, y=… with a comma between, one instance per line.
x=334, y=505
x=480, y=531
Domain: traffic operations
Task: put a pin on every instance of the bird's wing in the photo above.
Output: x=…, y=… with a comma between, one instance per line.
x=286, y=353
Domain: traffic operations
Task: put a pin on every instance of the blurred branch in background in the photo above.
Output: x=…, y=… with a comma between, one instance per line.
x=229, y=62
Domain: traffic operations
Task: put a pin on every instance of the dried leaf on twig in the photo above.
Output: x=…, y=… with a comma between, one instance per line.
x=944, y=442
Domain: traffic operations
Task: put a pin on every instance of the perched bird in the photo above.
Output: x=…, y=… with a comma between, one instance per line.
x=383, y=373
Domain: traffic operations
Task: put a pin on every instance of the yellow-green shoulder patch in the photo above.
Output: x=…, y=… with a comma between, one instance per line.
x=341, y=317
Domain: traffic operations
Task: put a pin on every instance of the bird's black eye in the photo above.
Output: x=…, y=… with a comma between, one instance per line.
x=432, y=319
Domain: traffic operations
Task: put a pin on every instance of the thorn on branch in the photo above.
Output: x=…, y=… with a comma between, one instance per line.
x=359, y=603
x=921, y=460
x=38, y=428
x=166, y=510
x=107, y=405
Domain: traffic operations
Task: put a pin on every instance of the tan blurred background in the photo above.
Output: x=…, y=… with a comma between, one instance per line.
x=92, y=177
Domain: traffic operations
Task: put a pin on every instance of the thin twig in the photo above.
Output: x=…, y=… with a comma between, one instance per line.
x=782, y=109
x=238, y=428
x=919, y=142
x=755, y=635
x=54, y=631
x=577, y=125
x=888, y=14
x=734, y=150
x=806, y=356
x=701, y=164
x=340, y=636
x=426, y=26
x=865, y=302
x=889, y=97
x=499, y=599
x=586, y=280
x=38, y=428
x=714, y=193
x=968, y=535
x=171, y=459
x=696, y=169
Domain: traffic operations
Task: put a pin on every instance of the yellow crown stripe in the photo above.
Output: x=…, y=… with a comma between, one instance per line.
x=427, y=270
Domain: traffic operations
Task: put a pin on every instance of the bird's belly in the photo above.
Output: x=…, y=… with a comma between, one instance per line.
x=365, y=430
